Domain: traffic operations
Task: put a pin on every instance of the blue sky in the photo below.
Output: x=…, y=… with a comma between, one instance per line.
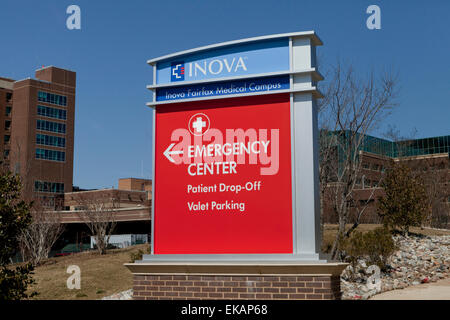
x=109, y=54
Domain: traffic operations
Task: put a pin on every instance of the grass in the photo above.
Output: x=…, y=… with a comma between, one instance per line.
x=104, y=275
x=101, y=275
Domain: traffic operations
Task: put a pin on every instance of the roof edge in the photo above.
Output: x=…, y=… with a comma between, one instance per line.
x=316, y=40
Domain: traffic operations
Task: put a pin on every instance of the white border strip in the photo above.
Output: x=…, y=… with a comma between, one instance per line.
x=316, y=77
x=316, y=93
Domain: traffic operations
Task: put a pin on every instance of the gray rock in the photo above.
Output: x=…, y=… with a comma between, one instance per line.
x=415, y=260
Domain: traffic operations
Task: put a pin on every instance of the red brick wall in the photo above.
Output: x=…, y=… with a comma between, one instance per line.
x=169, y=287
x=23, y=130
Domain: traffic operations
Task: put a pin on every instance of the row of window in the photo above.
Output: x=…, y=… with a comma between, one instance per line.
x=48, y=202
x=373, y=166
x=366, y=183
x=51, y=126
x=52, y=112
x=54, y=187
x=54, y=155
x=52, y=98
x=47, y=140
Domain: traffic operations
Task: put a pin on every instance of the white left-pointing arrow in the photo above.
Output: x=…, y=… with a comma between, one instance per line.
x=167, y=153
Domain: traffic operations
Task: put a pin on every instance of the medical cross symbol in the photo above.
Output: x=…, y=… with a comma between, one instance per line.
x=177, y=71
x=199, y=124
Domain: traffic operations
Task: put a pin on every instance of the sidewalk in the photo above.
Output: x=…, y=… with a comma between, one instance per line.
x=439, y=290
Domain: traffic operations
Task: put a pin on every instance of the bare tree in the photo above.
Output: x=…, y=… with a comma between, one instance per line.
x=439, y=192
x=37, y=240
x=435, y=174
x=434, y=171
x=352, y=107
x=98, y=213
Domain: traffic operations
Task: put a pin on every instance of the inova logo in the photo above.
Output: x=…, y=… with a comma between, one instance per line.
x=177, y=71
x=207, y=68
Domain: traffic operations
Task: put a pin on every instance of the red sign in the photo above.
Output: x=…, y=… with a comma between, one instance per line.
x=223, y=177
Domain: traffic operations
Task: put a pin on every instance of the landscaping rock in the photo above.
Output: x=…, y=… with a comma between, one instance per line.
x=124, y=295
x=418, y=260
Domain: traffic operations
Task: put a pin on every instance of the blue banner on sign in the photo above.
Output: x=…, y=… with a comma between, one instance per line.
x=238, y=60
x=224, y=88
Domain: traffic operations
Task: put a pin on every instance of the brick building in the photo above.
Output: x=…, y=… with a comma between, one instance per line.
x=129, y=207
x=428, y=158
x=37, y=129
x=6, y=103
x=136, y=184
x=129, y=202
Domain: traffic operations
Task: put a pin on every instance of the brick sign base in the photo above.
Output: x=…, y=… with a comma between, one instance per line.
x=323, y=284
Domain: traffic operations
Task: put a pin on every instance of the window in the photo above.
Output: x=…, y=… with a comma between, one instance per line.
x=45, y=125
x=8, y=111
x=52, y=98
x=7, y=138
x=47, y=140
x=47, y=202
x=8, y=96
x=51, y=112
x=6, y=153
x=54, y=187
x=7, y=124
x=53, y=155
